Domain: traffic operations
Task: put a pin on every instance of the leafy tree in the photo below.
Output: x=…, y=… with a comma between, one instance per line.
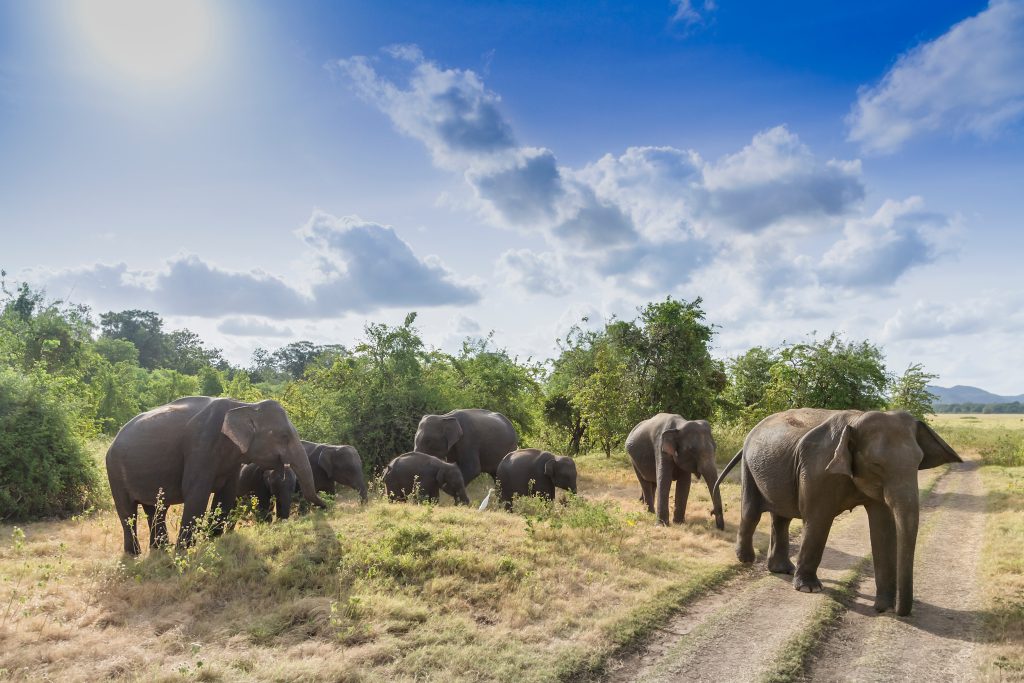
x=116, y=387
x=211, y=383
x=164, y=386
x=600, y=400
x=910, y=392
x=117, y=350
x=240, y=387
x=142, y=328
x=186, y=353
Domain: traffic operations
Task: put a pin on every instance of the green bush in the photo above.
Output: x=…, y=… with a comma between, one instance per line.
x=45, y=470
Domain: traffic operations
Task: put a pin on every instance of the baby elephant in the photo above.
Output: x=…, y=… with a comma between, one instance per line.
x=530, y=471
x=333, y=465
x=264, y=485
x=411, y=470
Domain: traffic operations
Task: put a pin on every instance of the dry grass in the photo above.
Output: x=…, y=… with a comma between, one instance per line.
x=382, y=592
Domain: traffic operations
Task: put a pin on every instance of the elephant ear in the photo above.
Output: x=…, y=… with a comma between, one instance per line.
x=842, y=459
x=441, y=475
x=668, y=442
x=452, y=431
x=936, y=451
x=549, y=468
x=240, y=426
x=323, y=458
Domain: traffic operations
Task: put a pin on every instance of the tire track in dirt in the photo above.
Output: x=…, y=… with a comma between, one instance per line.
x=737, y=632
x=937, y=641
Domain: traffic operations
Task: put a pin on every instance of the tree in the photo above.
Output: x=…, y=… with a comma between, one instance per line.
x=910, y=392
x=210, y=382
x=600, y=400
x=117, y=350
x=186, y=353
x=142, y=328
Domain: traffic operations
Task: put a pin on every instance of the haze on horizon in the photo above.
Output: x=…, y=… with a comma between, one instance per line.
x=263, y=173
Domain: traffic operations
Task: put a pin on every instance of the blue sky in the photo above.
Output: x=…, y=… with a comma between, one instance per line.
x=265, y=172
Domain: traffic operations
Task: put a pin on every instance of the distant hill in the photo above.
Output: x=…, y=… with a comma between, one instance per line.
x=965, y=394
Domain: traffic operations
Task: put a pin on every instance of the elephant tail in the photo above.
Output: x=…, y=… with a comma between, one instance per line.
x=728, y=468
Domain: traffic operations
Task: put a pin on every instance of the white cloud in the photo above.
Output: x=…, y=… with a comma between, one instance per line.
x=239, y=326
x=532, y=272
x=932, y=320
x=690, y=14
x=969, y=80
x=363, y=267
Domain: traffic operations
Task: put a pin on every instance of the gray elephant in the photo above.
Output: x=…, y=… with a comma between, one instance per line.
x=667, y=448
x=530, y=471
x=276, y=485
x=425, y=474
x=334, y=465
x=813, y=464
x=476, y=440
x=184, y=451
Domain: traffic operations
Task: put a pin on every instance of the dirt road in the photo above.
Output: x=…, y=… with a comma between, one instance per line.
x=751, y=629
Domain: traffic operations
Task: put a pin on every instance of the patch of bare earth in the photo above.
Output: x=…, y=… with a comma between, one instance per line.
x=937, y=641
x=739, y=632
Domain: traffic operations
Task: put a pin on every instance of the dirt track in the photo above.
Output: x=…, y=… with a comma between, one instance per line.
x=739, y=632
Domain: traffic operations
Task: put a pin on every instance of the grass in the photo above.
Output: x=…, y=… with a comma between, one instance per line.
x=363, y=593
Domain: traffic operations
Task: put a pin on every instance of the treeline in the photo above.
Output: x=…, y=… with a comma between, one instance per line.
x=64, y=378
x=991, y=408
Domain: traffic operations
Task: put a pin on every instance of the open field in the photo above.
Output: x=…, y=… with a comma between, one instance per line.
x=406, y=592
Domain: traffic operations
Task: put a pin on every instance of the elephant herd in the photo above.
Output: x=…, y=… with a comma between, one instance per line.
x=806, y=464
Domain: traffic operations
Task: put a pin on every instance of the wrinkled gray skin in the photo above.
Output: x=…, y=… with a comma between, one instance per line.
x=430, y=474
x=267, y=485
x=667, y=448
x=530, y=471
x=476, y=440
x=813, y=464
x=332, y=465
x=184, y=451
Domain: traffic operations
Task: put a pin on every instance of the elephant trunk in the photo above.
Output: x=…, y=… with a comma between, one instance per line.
x=362, y=492
x=710, y=475
x=297, y=460
x=906, y=511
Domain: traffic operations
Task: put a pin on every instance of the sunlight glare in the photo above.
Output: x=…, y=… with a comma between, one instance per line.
x=154, y=42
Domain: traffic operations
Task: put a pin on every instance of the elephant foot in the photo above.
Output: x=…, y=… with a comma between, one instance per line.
x=678, y=519
x=807, y=584
x=903, y=607
x=780, y=566
x=661, y=522
x=744, y=554
x=884, y=603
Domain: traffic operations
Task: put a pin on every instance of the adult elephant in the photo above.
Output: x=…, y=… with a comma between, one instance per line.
x=425, y=475
x=813, y=464
x=533, y=472
x=266, y=486
x=476, y=440
x=184, y=451
x=333, y=465
x=667, y=448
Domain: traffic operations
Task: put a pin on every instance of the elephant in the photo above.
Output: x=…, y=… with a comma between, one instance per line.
x=812, y=464
x=476, y=440
x=530, y=471
x=266, y=485
x=333, y=465
x=419, y=471
x=185, y=450
x=669, y=447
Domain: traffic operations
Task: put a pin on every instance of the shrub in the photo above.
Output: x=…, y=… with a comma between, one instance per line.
x=44, y=468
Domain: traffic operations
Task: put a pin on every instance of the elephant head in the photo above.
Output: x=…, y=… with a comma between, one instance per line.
x=690, y=445
x=449, y=479
x=437, y=435
x=562, y=472
x=882, y=453
x=344, y=466
x=281, y=483
x=264, y=435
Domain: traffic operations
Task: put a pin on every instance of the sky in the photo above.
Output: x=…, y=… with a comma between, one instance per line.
x=268, y=172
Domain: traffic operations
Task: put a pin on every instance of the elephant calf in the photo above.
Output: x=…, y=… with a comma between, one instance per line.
x=267, y=485
x=334, y=465
x=533, y=472
x=667, y=448
x=425, y=474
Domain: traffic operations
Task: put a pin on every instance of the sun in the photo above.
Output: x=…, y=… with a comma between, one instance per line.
x=150, y=42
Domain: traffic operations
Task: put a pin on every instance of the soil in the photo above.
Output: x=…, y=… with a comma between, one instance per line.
x=739, y=632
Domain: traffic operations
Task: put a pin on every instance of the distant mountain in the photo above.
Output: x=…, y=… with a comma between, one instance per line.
x=963, y=394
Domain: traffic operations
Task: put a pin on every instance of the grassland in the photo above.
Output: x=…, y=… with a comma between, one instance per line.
x=417, y=592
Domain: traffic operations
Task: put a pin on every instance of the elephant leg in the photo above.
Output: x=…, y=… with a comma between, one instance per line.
x=812, y=547
x=193, y=509
x=128, y=515
x=665, y=472
x=263, y=509
x=156, y=515
x=883, y=553
x=682, y=495
x=223, y=504
x=751, y=506
x=778, y=554
x=646, y=490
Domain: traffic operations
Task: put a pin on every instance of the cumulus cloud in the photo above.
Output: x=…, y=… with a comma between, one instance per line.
x=877, y=250
x=239, y=326
x=690, y=14
x=363, y=267
x=532, y=272
x=969, y=80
